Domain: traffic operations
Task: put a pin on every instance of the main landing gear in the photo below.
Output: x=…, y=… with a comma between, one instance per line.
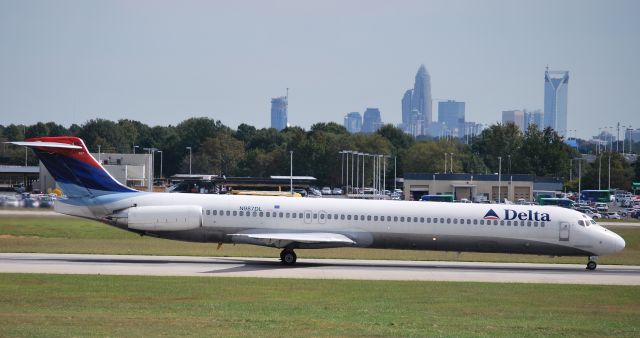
x=288, y=256
x=591, y=265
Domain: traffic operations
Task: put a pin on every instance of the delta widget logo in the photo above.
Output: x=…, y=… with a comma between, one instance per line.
x=491, y=215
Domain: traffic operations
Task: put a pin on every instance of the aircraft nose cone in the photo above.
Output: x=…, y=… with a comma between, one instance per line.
x=619, y=243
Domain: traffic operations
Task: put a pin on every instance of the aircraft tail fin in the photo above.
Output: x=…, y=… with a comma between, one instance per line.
x=74, y=169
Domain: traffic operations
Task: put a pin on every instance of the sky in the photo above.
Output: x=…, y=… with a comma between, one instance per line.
x=160, y=62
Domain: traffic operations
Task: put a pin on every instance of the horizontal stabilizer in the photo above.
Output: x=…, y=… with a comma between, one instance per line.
x=300, y=237
x=46, y=145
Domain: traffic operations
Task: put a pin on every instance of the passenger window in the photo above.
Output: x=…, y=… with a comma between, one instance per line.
x=388, y=218
x=428, y=219
x=395, y=218
x=442, y=220
x=255, y=214
x=415, y=220
x=208, y=212
x=409, y=219
x=348, y=217
x=261, y=214
x=448, y=220
x=475, y=222
x=328, y=216
x=214, y=212
x=455, y=221
x=248, y=214
x=362, y=217
x=321, y=216
x=293, y=215
x=315, y=216
x=481, y=222
x=300, y=215
x=375, y=218
x=335, y=216
x=542, y=224
x=501, y=222
x=355, y=217
x=342, y=216
x=421, y=219
x=241, y=213
x=529, y=223
x=368, y=218
x=535, y=224
x=281, y=214
x=495, y=222
x=287, y=215
x=228, y=212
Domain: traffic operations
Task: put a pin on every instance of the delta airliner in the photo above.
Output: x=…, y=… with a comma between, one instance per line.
x=290, y=223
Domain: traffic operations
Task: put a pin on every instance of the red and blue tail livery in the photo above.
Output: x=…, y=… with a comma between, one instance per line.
x=77, y=173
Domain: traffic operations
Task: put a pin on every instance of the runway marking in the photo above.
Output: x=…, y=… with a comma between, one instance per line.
x=317, y=269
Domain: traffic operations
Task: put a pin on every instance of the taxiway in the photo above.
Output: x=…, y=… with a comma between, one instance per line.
x=317, y=269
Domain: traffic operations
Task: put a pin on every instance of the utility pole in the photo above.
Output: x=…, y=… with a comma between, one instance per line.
x=290, y=165
x=499, y=176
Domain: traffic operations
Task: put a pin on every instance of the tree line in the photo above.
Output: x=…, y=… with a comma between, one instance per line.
x=248, y=151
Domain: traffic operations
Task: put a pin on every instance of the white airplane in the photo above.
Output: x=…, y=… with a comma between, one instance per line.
x=291, y=223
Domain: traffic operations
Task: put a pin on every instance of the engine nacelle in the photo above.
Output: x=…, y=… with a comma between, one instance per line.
x=164, y=218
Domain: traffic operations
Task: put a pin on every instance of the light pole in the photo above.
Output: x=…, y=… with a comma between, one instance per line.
x=291, y=171
x=363, y=155
x=384, y=170
x=358, y=169
x=341, y=152
x=451, y=166
x=509, y=163
x=599, y=168
x=499, y=176
x=152, y=152
x=579, y=178
x=189, y=148
x=161, y=155
x=99, y=159
x=445, y=162
x=394, y=173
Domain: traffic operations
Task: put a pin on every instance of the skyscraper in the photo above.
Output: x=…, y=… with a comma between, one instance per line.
x=406, y=108
x=416, y=102
x=371, y=120
x=514, y=116
x=451, y=113
x=353, y=122
x=534, y=117
x=421, y=99
x=556, y=85
x=279, y=112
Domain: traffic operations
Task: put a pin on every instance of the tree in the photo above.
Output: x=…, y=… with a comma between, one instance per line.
x=499, y=140
x=223, y=152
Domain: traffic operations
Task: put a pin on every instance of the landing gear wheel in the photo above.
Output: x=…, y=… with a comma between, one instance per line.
x=288, y=257
x=591, y=265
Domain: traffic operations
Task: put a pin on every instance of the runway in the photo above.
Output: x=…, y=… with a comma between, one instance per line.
x=317, y=269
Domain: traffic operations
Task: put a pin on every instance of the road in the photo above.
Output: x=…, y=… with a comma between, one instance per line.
x=317, y=269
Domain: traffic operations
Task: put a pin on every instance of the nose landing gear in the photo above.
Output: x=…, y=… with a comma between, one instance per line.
x=288, y=256
x=591, y=265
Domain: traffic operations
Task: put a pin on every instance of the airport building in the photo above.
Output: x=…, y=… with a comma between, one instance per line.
x=477, y=187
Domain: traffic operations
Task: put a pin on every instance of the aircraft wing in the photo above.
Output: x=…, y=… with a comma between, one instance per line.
x=269, y=238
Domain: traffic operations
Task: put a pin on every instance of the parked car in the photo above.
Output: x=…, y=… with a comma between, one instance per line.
x=590, y=213
x=12, y=201
x=302, y=192
x=29, y=202
x=45, y=202
x=602, y=207
x=336, y=191
x=611, y=215
x=326, y=191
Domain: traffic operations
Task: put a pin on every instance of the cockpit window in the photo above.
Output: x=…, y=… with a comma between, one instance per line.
x=593, y=222
x=581, y=222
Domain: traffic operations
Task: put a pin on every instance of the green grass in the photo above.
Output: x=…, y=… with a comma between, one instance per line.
x=75, y=235
x=79, y=305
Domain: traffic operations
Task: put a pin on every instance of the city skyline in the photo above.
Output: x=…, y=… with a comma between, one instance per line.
x=160, y=63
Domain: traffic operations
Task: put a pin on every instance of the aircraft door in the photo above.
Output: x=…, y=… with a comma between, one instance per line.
x=307, y=216
x=564, y=231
